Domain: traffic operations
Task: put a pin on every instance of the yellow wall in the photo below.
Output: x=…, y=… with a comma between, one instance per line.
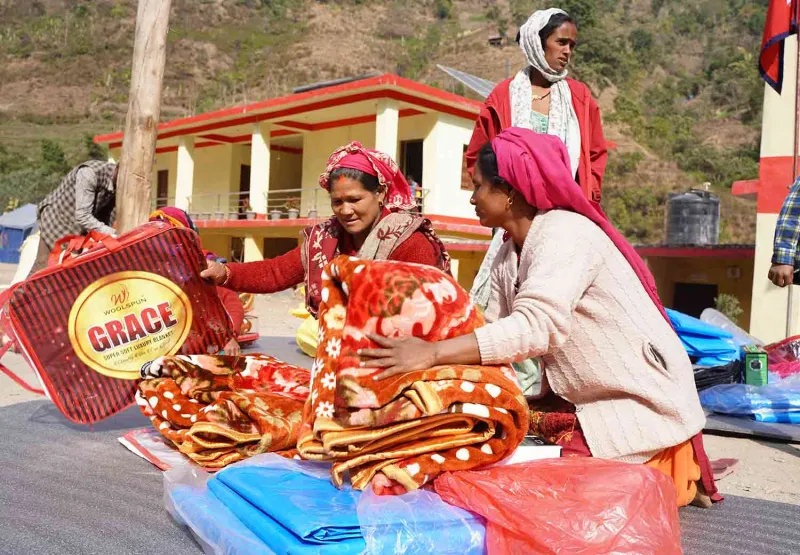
x=317, y=147
x=442, y=158
x=714, y=271
x=469, y=262
x=285, y=171
x=212, y=179
x=166, y=161
x=218, y=244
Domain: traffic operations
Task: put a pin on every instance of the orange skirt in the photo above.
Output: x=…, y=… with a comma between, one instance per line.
x=680, y=464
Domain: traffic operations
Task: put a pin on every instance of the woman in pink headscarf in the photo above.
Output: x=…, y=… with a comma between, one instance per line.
x=568, y=288
x=372, y=219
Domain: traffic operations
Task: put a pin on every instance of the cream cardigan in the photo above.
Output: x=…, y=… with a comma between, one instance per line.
x=572, y=299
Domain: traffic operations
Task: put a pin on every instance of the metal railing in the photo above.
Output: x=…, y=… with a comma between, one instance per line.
x=290, y=204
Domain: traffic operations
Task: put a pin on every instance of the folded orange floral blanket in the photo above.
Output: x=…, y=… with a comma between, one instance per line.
x=219, y=410
x=411, y=427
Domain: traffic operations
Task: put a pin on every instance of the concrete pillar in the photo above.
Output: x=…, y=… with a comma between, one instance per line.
x=259, y=167
x=455, y=266
x=770, y=303
x=184, y=181
x=386, y=125
x=253, y=248
x=442, y=155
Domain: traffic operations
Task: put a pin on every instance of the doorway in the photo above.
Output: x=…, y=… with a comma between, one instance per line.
x=694, y=298
x=411, y=159
x=162, y=188
x=411, y=166
x=243, y=201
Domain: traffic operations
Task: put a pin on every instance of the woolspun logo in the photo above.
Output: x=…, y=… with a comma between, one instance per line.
x=123, y=320
x=120, y=298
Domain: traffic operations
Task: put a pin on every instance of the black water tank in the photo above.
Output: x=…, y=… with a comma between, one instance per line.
x=693, y=218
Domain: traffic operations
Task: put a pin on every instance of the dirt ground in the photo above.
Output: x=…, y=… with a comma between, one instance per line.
x=765, y=470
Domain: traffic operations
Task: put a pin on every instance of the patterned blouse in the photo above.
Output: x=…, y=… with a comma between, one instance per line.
x=541, y=122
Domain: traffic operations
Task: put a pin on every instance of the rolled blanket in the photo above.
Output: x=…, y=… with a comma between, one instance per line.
x=219, y=410
x=408, y=427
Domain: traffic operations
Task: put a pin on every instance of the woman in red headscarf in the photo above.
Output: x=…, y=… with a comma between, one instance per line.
x=567, y=287
x=372, y=219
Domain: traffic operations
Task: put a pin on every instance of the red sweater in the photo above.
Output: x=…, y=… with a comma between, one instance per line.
x=233, y=306
x=496, y=116
x=285, y=271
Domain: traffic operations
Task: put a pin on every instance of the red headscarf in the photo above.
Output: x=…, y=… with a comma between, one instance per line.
x=178, y=218
x=375, y=163
x=173, y=215
x=537, y=165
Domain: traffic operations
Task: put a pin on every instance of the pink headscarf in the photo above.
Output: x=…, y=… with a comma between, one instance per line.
x=537, y=165
x=376, y=163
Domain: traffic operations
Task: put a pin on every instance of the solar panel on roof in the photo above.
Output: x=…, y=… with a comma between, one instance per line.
x=481, y=86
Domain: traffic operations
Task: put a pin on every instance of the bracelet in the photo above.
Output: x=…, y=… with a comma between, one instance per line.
x=227, y=275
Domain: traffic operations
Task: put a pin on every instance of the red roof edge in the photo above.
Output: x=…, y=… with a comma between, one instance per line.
x=387, y=79
x=745, y=188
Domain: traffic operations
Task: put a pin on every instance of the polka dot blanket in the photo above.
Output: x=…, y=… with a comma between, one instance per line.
x=219, y=410
x=407, y=429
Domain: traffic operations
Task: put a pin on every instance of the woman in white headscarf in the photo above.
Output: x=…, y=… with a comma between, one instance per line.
x=541, y=98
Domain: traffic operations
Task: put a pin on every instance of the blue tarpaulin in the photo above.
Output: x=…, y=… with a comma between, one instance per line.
x=15, y=226
x=706, y=345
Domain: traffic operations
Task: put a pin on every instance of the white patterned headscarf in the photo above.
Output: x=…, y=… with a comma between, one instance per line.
x=562, y=122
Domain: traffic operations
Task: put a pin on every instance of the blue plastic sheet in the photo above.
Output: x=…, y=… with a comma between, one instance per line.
x=269, y=504
x=685, y=323
x=292, y=513
x=216, y=529
x=778, y=402
x=706, y=344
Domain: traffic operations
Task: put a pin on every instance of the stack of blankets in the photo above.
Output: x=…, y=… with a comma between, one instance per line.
x=408, y=428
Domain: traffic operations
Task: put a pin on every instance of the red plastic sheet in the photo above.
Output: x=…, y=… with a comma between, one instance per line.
x=576, y=506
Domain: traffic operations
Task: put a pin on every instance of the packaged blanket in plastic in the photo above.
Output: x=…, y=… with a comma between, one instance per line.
x=775, y=402
x=570, y=506
x=783, y=358
x=88, y=324
x=269, y=504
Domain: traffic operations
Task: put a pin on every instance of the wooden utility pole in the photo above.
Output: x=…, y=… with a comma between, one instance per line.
x=144, y=106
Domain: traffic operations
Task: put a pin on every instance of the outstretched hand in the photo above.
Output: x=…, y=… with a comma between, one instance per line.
x=215, y=273
x=398, y=355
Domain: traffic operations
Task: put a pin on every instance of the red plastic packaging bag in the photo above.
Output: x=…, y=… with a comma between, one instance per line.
x=783, y=358
x=573, y=505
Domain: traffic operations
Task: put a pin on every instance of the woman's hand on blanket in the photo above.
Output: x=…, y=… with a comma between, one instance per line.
x=399, y=355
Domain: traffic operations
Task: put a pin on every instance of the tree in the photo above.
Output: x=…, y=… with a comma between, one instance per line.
x=443, y=8
x=93, y=150
x=53, y=158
